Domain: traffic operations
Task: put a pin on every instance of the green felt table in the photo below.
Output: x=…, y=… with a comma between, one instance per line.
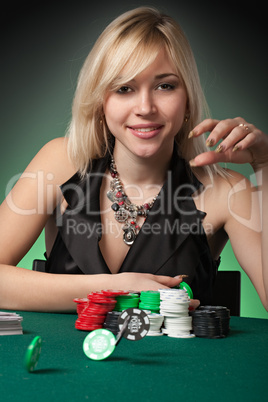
x=234, y=368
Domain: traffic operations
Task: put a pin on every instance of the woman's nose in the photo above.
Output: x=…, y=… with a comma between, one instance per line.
x=145, y=104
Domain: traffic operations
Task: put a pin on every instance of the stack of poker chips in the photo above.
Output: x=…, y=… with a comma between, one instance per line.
x=125, y=301
x=150, y=300
x=211, y=322
x=80, y=304
x=10, y=323
x=92, y=313
x=133, y=325
x=111, y=322
x=174, y=306
x=156, y=321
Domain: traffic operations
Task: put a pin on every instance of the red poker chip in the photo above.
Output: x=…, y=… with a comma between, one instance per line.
x=87, y=315
x=81, y=300
x=86, y=321
x=92, y=315
x=81, y=304
x=95, y=295
x=92, y=311
x=102, y=313
x=92, y=319
x=80, y=309
x=84, y=327
x=100, y=310
x=88, y=326
x=101, y=299
x=111, y=293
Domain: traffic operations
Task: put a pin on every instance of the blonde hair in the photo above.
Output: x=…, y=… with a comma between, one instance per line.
x=136, y=36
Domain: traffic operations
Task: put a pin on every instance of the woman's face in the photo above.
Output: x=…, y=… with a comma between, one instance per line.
x=146, y=113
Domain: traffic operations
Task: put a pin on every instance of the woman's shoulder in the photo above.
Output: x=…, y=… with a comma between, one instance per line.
x=225, y=179
x=53, y=160
x=228, y=190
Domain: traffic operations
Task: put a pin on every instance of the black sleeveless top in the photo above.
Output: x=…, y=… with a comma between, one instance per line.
x=171, y=241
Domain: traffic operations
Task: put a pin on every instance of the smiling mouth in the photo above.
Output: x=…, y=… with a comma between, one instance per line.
x=145, y=130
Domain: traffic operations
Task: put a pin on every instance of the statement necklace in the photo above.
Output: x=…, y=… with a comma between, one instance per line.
x=124, y=210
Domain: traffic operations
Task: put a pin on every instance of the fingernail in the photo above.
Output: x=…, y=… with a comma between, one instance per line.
x=191, y=134
x=181, y=277
x=235, y=148
x=210, y=142
x=220, y=148
x=192, y=163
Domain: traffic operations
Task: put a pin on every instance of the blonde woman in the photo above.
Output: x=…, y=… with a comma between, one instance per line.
x=133, y=197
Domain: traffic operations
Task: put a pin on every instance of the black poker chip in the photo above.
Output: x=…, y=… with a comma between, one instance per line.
x=138, y=324
x=111, y=322
x=211, y=322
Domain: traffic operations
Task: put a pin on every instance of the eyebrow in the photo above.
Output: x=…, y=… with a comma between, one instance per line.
x=157, y=77
x=165, y=75
x=160, y=76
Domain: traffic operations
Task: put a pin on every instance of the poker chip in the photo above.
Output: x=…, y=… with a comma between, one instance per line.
x=92, y=313
x=122, y=330
x=156, y=321
x=126, y=301
x=33, y=353
x=178, y=326
x=81, y=304
x=211, y=322
x=111, y=322
x=174, y=306
x=138, y=324
x=151, y=313
x=99, y=344
x=187, y=288
x=150, y=300
x=114, y=293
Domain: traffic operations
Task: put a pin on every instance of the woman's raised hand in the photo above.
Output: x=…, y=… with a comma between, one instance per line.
x=236, y=141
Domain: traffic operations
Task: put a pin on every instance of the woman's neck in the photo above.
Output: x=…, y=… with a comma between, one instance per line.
x=145, y=175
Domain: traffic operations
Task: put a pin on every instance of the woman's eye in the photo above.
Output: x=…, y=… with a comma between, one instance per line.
x=123, y=90
x=166, y=87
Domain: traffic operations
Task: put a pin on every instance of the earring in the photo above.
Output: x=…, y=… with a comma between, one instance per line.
x=186, y=118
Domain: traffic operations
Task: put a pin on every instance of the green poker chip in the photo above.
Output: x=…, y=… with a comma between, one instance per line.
x=124, y=302
x=150, y=300
x=186, y=287
x=32, y=354
x=99, y=344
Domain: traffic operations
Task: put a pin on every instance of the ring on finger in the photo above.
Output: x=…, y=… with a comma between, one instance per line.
x=244, y=126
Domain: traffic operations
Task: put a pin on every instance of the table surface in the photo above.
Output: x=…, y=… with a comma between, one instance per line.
x=166, y=369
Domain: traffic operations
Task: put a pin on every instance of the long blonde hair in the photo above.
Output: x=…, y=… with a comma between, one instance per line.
x=136, y=36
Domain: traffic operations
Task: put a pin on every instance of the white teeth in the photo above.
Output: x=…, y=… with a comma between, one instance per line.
x=145, y=130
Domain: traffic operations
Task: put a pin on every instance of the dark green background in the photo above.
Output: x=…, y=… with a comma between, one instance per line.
x=43, y=46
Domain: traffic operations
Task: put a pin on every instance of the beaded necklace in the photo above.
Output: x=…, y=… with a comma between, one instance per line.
x=125, y=211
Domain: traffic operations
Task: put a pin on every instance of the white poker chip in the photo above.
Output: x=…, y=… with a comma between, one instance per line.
x=186, y=336
x=156, y=321
x=174, y=306
x=153, y=333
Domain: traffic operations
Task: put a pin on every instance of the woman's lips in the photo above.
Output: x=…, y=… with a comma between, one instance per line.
x=145, y=131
